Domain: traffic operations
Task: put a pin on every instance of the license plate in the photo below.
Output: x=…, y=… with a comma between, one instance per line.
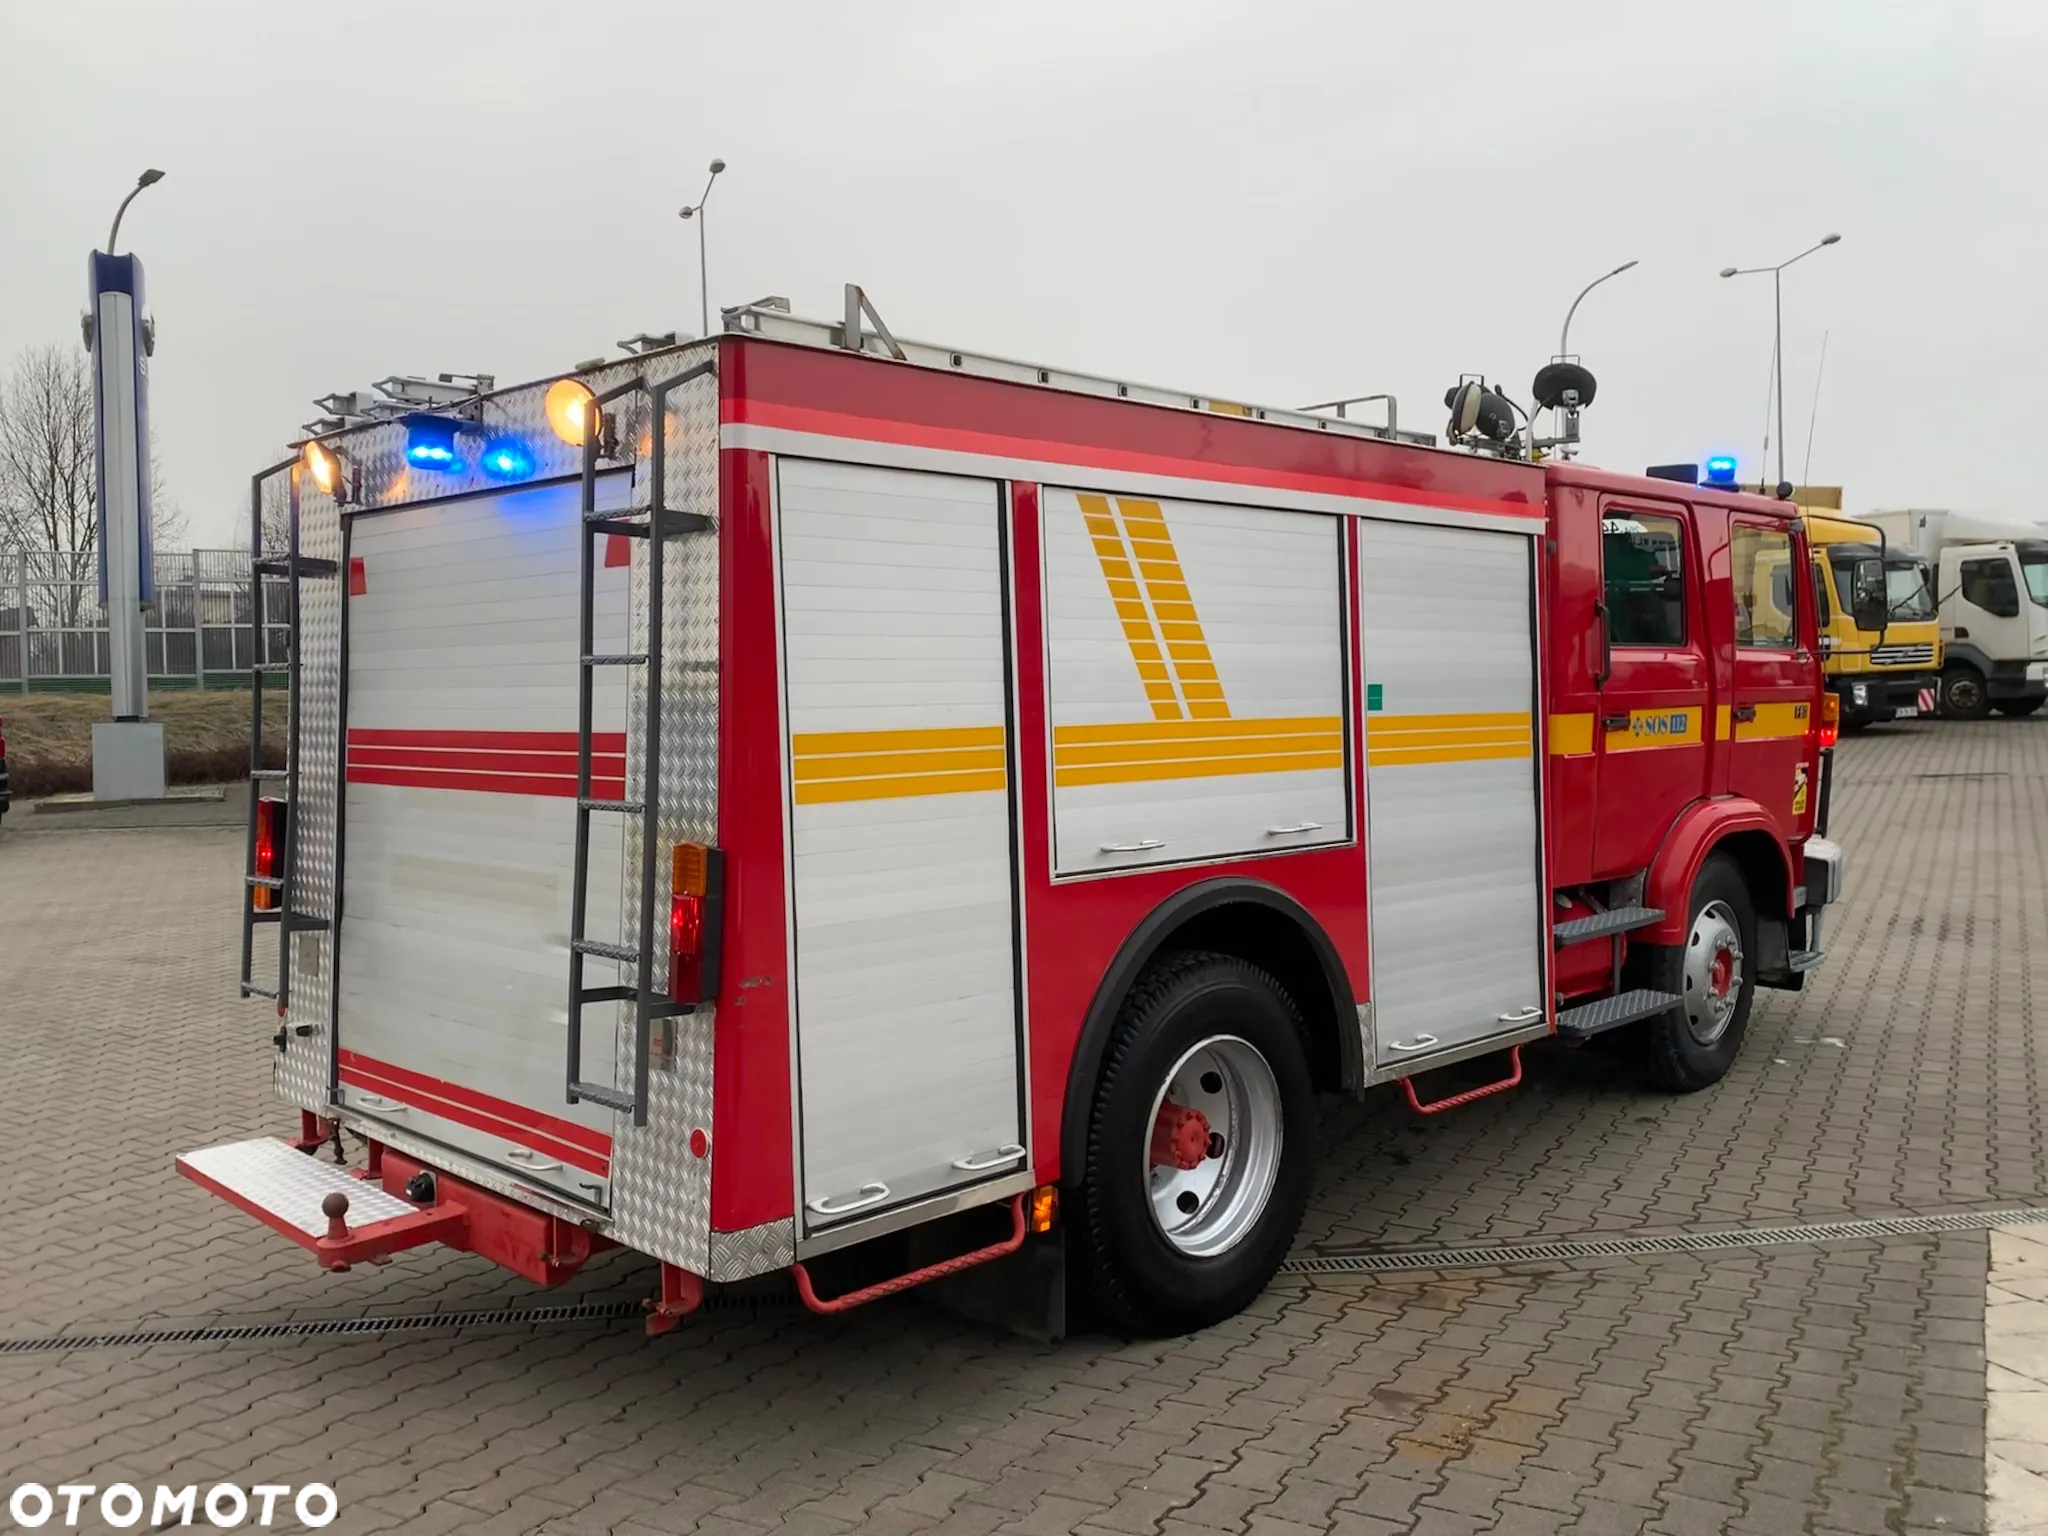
x=1907, y=711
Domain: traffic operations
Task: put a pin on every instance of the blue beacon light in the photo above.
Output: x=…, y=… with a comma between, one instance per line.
x=430, y=444
x=1721, y=469
x=507, y=458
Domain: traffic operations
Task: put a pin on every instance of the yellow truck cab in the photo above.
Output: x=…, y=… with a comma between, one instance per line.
x=1880, y=639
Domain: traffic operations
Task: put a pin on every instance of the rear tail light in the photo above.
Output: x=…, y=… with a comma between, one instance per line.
x=696, y=923
x=1830, y=720
x=270, y=820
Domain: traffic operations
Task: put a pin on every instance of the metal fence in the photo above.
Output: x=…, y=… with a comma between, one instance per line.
x=53, y=632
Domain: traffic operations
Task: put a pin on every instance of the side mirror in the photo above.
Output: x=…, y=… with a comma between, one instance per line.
x=1872, y=612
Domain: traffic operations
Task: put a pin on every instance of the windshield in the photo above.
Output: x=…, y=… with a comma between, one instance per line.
x=2034, y=567
x=1905, y=584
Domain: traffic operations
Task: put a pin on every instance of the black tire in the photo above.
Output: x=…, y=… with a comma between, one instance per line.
x=1136, y=1277
x=1673, y=1055
x=1963, y=694
x=2019, y=709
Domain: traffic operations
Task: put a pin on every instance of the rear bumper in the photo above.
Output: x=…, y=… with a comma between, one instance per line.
x=382, y=1211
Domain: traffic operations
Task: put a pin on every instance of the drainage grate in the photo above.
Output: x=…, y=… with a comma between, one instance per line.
x=1491, y=1255
x=574, y=1312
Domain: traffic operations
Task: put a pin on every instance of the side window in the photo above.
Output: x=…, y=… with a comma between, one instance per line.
x=1644, y=559
x=1760, y=565
x=1820, y=594
x=1988, y=584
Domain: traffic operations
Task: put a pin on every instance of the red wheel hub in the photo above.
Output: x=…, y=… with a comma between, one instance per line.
x=1723, y=973
x=1180, y=1137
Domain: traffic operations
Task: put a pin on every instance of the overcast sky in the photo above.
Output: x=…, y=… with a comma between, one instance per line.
x=1277, y=202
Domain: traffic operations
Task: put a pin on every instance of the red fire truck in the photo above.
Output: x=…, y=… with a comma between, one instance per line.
x=798, y=801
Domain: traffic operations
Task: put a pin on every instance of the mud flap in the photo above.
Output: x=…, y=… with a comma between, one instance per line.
x=1024, y=1294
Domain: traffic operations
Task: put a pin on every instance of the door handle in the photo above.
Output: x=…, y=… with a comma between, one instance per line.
x=533, y=1160
x=382, y=1106
x=1299, y=826
x=1528, y=1015
x=975, y=1162
x=860, y=1199
x=1614, y=722
x=1419, y=1043
x=1142, y=845
x=1745, y=711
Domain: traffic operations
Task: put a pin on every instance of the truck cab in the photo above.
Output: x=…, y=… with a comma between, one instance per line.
x=1991, y=583
x=1880, y=644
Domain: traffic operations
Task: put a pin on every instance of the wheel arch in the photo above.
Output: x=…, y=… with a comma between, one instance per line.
x=1252, y=921
x=1738, y=827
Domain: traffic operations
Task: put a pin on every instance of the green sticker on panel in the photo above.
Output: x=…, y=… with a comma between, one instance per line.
x=1372, y=697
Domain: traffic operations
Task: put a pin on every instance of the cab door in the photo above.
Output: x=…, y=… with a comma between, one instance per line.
x=1772, y=686
x=1652, y=733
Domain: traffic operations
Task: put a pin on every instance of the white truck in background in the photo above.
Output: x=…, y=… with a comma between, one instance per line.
x=1991, y=588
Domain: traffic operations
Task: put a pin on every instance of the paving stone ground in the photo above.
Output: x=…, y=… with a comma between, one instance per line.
x=1835, y=1387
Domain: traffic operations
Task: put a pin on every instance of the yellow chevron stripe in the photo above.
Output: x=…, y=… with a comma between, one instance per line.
x=1191, y=749
x=1146, y=583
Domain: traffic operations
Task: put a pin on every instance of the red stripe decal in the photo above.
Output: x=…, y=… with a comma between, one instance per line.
x=568, y=1132
x=546, y=764
x=617, y=551
x=559, y=787
x=800, y=418
x=358, y=577
x=490, y=741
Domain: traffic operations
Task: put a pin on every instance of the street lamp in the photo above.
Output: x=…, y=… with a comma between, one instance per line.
x=1564, y=336
x=146, y=179
x=1778, y=337
x=696, y=211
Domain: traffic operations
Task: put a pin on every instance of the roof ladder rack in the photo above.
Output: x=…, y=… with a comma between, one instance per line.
x=663, y=523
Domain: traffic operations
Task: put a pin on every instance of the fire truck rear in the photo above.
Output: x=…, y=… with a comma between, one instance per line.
x=796, y=801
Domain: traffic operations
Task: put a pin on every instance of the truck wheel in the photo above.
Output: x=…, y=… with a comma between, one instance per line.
x=1693, y=1046
x=1963, y=694
x=2019, y=709
x=1201, y=1137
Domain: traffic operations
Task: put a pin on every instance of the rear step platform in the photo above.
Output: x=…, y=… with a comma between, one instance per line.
x=296, y=1194
x=1603, y=1014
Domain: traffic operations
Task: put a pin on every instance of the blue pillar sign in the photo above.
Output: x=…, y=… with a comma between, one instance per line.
x=120, y=377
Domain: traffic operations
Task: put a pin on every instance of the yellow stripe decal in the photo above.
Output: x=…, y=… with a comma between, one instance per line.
x=1400, y=741
x=1150, y=590
x=1775, y=722
x=1571, y=735
x=831, y=766
x=1192, y=749
x=1648, y=729
x=1722, y=728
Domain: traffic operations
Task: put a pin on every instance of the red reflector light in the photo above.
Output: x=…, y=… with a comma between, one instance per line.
x=269, y=844
x=696, y=906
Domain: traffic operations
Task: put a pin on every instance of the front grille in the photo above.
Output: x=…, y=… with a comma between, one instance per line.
x=1903, y=655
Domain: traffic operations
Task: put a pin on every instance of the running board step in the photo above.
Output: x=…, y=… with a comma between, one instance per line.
x=1804, y=960
x=1596, y=1018
x=1603, y=925
x=598, y=1093
x=291, y=1192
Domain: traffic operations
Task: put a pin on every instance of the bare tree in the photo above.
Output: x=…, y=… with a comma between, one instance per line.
x=49, y=498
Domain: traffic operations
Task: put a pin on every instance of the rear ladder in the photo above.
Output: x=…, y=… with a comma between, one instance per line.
x=662, y=524
x=294, y=567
